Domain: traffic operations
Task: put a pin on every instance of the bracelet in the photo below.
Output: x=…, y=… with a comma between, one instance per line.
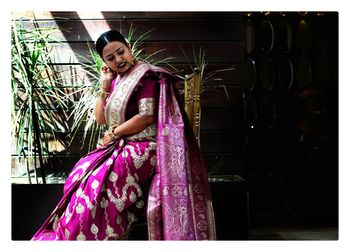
x=111, y=133
x=104, y=94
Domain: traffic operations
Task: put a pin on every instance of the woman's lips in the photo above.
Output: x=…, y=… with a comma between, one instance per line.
x=122, y=65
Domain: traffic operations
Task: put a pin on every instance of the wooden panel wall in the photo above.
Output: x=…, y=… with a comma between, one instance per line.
x=219, y=34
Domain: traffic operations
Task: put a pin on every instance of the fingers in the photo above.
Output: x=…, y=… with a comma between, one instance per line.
x=104, y=69
x=105, y=140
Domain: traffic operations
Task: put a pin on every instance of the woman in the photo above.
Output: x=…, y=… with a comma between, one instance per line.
x=149, y=143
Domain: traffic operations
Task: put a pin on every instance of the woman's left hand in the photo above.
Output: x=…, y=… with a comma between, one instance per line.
x=107, y=139
x=109, y=136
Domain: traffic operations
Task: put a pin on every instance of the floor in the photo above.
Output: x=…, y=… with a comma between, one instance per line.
x=293, y=233
x=31, y=198
x=270, y=233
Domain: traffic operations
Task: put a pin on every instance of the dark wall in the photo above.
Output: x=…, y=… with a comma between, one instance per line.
x=291, y=110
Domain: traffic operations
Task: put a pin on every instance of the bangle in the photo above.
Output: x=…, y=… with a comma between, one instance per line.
x=106, y=90
x=111, y=133
x=104, y=95
x=112, y=130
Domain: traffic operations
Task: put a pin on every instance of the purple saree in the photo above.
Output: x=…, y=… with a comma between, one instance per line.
x=103, y=194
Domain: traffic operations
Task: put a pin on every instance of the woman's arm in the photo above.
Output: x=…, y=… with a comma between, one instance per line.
x=146, y=98
x=106, y=76
x=134, y=125
x=99, y=112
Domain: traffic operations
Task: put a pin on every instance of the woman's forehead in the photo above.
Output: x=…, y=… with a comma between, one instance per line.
x=111, y=47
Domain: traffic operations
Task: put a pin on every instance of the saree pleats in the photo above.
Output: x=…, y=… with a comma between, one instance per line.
x=102, y=199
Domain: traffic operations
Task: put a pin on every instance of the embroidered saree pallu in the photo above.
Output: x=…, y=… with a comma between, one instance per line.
x=103, y=194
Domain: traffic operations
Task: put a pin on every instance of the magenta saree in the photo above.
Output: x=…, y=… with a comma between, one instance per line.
x=103, y=194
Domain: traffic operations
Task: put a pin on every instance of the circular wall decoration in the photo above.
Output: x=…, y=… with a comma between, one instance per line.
x=249, y=74
x=303, y=38
x=267, y=73
x=284, y=36
x=311, y=111
x=303, y=73
x=249, y=36
x=250, y=110
x=321, y=35
x=321, y=72
x=267, y=36
x=285, y=73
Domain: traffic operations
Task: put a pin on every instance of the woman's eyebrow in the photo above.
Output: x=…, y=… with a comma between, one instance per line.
x=113, y=52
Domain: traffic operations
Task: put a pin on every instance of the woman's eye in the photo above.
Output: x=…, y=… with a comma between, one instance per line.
x=121, y=51
x=110, y=58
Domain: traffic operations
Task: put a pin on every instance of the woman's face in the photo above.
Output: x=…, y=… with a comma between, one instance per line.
x=118, y=57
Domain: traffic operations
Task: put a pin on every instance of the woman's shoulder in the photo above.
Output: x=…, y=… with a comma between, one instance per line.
x=154, y=72
x=152, y=69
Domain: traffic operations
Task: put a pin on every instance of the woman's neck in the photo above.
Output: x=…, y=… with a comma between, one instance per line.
x=130, y=68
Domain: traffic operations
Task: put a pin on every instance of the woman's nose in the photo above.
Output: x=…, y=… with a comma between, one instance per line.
x=118, y=59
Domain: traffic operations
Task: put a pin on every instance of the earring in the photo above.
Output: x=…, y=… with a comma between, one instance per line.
x=133, y=61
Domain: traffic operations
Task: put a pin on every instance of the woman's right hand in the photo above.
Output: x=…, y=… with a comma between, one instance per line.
x=106, y=76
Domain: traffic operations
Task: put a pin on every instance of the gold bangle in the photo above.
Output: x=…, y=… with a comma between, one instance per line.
x=112, y=130
x=111, y=133
x=104, y=95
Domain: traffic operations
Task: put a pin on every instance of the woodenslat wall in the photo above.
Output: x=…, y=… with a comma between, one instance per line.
x=219, y=34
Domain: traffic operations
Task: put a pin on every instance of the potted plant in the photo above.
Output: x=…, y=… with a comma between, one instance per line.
x=38, y=98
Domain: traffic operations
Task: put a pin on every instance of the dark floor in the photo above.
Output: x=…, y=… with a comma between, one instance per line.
x=39, y=200
x=273, y=233
x=294, y=233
